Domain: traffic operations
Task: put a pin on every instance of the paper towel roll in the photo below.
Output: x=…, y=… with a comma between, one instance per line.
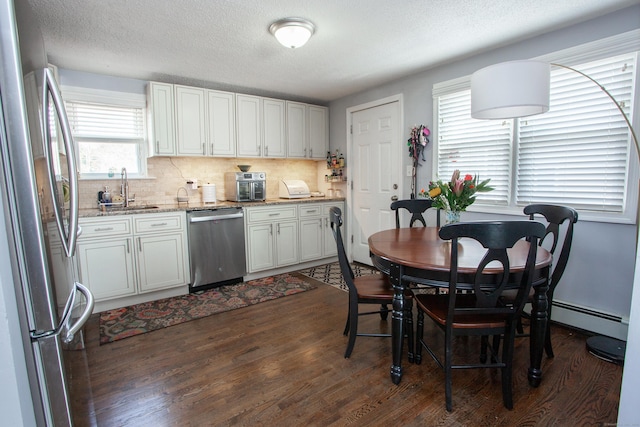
x=209, y=193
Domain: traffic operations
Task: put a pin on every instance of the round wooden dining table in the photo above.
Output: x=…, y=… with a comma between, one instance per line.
x=419, y=255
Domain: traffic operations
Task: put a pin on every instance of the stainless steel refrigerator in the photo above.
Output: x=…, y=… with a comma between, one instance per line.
x=39, y=206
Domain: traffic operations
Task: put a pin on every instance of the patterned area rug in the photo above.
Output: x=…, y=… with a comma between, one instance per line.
x=138, y=319
x=331, y=275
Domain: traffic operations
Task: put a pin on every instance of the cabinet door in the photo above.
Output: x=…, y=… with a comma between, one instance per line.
x=249, y=125
x=296, y=130
x=273, y=124
x=286, y=243
x=162, y=115
x=318, y=131
x=190, y=121
x=260, y=241
x=221, y=112
x=161, y=261
x=107, y=267
x=311, y=233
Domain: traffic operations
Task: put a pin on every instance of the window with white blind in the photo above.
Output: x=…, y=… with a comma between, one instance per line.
x=109, y=133
x=576, y=154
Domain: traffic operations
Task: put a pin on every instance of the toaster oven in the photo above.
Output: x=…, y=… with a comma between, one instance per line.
x=245, y=186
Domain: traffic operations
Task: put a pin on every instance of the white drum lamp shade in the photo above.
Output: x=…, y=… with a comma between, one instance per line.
x=292, y=32
x=510, y=89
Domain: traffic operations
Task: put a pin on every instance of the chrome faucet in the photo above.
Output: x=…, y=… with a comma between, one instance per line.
x=124, y=186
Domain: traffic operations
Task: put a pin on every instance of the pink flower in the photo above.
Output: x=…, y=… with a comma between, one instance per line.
x=458, y=186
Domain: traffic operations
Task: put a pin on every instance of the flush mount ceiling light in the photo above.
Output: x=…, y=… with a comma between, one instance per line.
x=292, y=32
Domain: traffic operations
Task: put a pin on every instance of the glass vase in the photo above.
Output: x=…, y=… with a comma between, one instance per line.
x=452, y=217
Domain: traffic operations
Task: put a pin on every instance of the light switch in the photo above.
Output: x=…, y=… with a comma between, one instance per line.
x=409, y=170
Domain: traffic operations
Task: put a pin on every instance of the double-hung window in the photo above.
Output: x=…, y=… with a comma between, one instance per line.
x=577, y=154
x=108, y=130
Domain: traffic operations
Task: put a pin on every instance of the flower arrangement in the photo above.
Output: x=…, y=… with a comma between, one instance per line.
x=457, y=194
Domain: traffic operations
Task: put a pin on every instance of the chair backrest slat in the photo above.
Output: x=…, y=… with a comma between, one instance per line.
x=416, y=207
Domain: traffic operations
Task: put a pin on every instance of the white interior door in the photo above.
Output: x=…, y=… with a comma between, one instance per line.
x=376, y=171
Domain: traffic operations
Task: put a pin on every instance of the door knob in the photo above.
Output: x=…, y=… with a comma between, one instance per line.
x=394, y=198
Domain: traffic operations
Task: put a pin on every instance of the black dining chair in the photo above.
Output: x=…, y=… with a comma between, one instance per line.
x=559, y=218
x=369, y=289
x=417, y=207
x=480, y=312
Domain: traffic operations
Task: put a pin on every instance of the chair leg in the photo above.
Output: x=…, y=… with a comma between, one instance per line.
x=519, y=327
x=448, y=354
x=346, y=325
x=496, y=347
x=353, y=325
x=484, y=343
x=409, y=327
x=417, y=358
x=384, y=311
x=547, y=335
x=507, y=370
x=547, y=342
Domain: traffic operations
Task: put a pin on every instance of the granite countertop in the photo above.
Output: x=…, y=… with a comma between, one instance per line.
x=195, y=206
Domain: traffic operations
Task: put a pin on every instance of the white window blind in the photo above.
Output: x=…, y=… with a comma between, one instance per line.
x=577, y=153
x=109, y=131
x=476, y=147
x=95, y=122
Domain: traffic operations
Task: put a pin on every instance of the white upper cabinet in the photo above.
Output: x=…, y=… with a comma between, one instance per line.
x=273, y=125
x=318, y=131
x=161, y=109
x=297, y=141
x=191, y=121
x=249, y=125
x=191, y=127
x=221, y=112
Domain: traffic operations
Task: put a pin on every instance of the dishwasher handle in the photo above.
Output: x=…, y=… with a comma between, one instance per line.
x=215, y=217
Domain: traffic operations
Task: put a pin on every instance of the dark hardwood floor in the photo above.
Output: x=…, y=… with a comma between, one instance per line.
x=281, y=363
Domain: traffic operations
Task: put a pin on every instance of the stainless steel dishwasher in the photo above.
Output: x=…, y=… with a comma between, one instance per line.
x=216, y=247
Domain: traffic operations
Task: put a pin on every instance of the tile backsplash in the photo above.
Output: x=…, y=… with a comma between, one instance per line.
x=168, y=174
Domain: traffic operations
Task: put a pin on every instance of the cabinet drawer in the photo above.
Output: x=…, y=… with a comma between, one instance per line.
x=310, y=210
x=95, y=228
x=272, y=214
x=151, y=223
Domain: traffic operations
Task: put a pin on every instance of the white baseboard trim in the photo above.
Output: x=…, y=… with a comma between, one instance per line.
x=589, y=319
x=289, y=268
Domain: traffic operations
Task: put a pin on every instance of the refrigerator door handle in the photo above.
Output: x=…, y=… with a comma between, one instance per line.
x=68, y=238
x=66, y=316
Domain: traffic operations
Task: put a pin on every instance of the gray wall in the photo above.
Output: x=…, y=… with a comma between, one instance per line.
x=600, y=271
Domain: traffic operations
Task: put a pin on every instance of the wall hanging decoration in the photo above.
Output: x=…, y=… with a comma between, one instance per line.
x=417, y=142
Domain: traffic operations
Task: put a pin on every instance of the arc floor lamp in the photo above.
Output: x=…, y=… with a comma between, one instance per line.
x=521, y=88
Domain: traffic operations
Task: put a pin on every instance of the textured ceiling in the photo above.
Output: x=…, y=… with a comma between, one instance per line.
x=226, y=44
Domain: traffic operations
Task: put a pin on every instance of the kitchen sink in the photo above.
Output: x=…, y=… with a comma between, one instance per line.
x=139, y=208
x=131, y=208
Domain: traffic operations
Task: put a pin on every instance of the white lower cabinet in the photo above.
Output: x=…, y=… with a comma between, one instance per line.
x=272, y=237
x=107, y=267
x=278, y=236
x=133, y=254
x=317, y=240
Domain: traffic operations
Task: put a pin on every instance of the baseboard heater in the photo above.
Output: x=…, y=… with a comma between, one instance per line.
x=587, y=311
x=589, y=320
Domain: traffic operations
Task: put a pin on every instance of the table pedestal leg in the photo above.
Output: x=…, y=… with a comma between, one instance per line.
x=538, y=331
x=397, y=325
